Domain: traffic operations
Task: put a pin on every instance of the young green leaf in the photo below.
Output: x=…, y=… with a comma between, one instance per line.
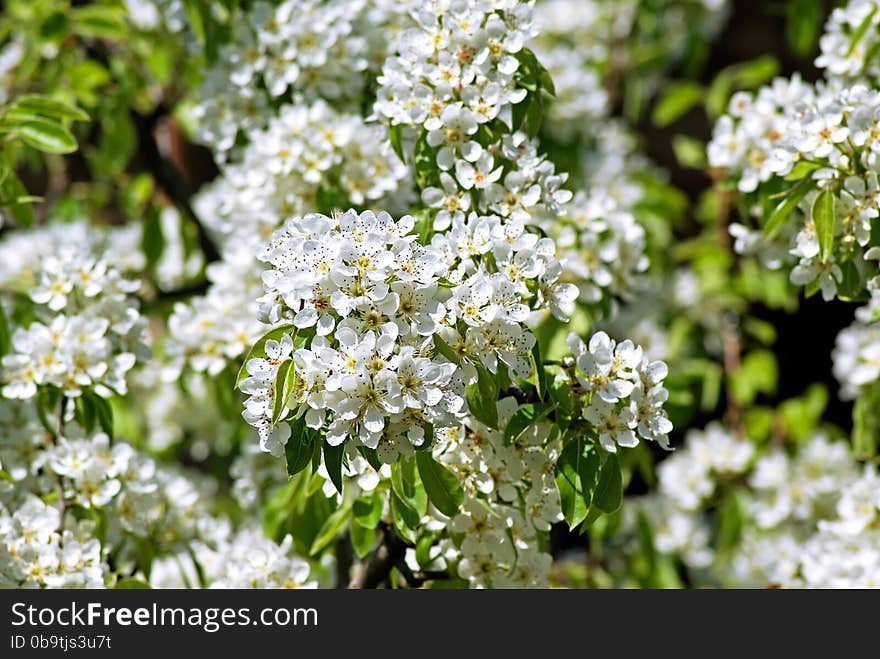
x=823, y=221
x=300, y=446
x=333, y=456
x=442, y=486
x=43, y=106
x=367, y=509
x=525, y=417
x=152, y=238
x=259, y=348
x=482, y=396
x=609, y=489
x=675, y=101
x=443, y=348
x=406, y=519
x=104, y=413
x=47, y=136
x=787, y=206
x=362, y=538
x=541, y=380
x=331, y=528
x=575, y=478
x=278, y=399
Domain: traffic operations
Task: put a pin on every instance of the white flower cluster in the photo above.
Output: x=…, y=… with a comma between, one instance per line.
x=23, y=253
x=688, y=482
x=603, y=246
x=510, y=496
x=857, y=358
x=453, y=78
x=209, y=331
x=750, y=141
x=818, y=521
x=92, y=335
x=318, y=48
x=689, y=476
x=36, y=553
x=151, y=14
x=243, y=558
x=833, y=132
x=374, y=297
x=626, y=391
x=304, y=150
x=856, y=355
x=810, y=518
x=849, y=43
x=588, y=45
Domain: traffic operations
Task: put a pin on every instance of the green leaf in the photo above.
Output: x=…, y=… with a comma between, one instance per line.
x=367, y=509
x=441, y=485
x=534, y=116
x=866, y=422
x=787, y=205
x=54, y=26
x=371, y=456
x=689, y=152
x=258, y=350
x=482, y=396
x=331, y=528
x=104, y=413
x=425, y=163
x=362, y=538
x=300, y=446
x=333, y=456
x=803, y=24
x=47, y=136
x=43, y=106
x=423, y=550
x=47, y=408
x=576, y=471
x=395, y=137
x=100, y=22
x=800, y=170
x=528, y=74
x=861, y=30
x=541, y=380
x=278, y=399
x=15, y=199
x=406, y=519
x=85, y=412
x=525, y=417
x=730, y=523
x=152, y=238
x=675, y=101
x=823, y=221
x=443, y=348
x=609, y=489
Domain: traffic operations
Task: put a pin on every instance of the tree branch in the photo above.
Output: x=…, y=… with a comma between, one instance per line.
x=344, y=560
x=169, y=178
x=390, y=554
x=378, y=566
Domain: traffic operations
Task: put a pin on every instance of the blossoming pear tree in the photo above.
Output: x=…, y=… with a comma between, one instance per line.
x=419, y=293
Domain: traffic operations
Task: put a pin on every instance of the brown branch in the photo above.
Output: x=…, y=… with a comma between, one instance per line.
x=169, y=178
x=390, y=554
x=344, y=560
x=377, y=568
